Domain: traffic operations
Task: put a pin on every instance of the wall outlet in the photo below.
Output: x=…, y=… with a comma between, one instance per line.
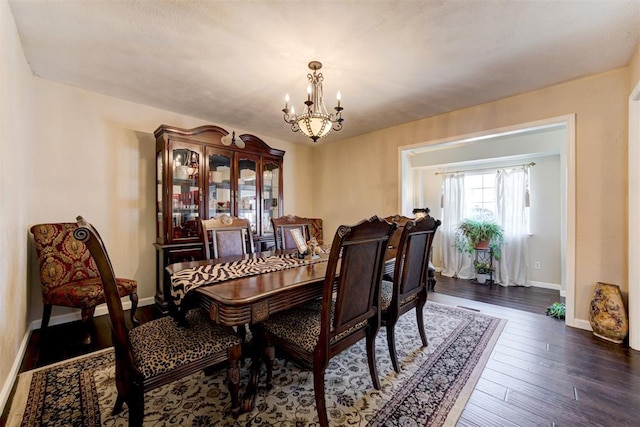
x=536, y=265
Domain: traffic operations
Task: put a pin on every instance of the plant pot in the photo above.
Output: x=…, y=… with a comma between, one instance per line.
x=482, y=278
x=484, y=244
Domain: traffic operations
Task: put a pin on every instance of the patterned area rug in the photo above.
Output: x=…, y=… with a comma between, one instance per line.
x=431, y=390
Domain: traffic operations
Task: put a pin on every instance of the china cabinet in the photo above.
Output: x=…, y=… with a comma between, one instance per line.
x=203, y=173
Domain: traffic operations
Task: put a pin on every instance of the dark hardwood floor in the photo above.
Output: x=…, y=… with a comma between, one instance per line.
x=532, y=299
x=541, y=372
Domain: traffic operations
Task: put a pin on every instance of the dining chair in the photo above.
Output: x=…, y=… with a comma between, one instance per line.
x=160, y=351
x=69, y=276
x=230, y=236
x=409, y=287
x=349, y=311
x=282, y=230
x=395, y=241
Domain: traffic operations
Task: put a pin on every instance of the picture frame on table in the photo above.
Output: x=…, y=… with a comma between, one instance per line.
x=301, y=245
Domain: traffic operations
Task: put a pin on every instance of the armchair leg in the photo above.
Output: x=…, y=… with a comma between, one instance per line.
x=422, y=300
x=87, y=318
x=46, y=316
x=420, y=319
x=371, y=356
x=117, y=408
x=134, y=306
x=136, y=406
x=391, y=342
x=318, y=387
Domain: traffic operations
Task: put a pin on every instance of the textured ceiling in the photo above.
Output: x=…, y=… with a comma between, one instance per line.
x=231, y=62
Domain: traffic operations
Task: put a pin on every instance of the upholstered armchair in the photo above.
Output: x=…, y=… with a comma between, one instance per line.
x=69, y=275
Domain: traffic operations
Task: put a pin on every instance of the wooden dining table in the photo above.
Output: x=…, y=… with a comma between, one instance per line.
x=253, y=299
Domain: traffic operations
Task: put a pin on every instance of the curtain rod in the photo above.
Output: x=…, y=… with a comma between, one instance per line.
x=485, y=169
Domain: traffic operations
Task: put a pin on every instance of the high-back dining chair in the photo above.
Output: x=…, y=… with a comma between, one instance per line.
x=160, y=351
x=409, y=287
x=394, y=242
x=282, y=230
x=226, y=235
x=312, y=334
x=69, y=275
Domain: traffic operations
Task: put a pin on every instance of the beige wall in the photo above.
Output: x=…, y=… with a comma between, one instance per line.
x=96, y=157
x=16, y=148
x=634, y=70
x=359, y=176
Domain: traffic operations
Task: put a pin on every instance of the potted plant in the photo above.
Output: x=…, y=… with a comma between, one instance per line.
x=479, y=233
x=483, y=270
x=557, y=309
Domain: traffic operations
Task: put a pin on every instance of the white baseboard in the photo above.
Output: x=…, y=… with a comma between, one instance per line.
x=13, y=373
x=546, y=285
x=77, y=315
x=55, y=320
x=581, y=324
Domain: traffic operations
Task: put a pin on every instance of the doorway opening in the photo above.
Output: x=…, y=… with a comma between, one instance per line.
x=550, y=142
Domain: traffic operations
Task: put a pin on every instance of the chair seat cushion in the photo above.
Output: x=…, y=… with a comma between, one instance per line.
x=163, y=345
x=87, y=292
x=386, y=295
x=301, y=326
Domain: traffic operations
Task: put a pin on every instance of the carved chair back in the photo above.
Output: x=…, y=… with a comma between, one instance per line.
x=225, y=236
x=282, y=230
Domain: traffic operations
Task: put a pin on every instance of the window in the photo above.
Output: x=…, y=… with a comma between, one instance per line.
x=480, y=195
x=480, y=200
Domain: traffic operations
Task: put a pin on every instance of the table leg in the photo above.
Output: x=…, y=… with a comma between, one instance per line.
x=257, y=346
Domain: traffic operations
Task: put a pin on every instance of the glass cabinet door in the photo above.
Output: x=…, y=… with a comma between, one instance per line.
x=247, y=189
x=159, y=198
x=219, y=200
x=270, y=194
x=185, y=197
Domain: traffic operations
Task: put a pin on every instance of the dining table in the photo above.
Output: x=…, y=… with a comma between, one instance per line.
x=253, y=298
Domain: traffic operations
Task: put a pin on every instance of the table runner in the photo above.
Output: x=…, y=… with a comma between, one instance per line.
x=189, y=279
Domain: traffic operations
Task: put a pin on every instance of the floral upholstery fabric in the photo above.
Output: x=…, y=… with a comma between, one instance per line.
x=386, y=295
x=301, y=326
x=68, y=273
x=86, y=292
x=163, y=345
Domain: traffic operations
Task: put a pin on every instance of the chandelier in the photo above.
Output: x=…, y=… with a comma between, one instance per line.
x=314, y=122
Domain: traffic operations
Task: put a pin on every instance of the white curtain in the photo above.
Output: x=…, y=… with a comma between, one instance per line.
x=512, y=194
x=455, y=264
